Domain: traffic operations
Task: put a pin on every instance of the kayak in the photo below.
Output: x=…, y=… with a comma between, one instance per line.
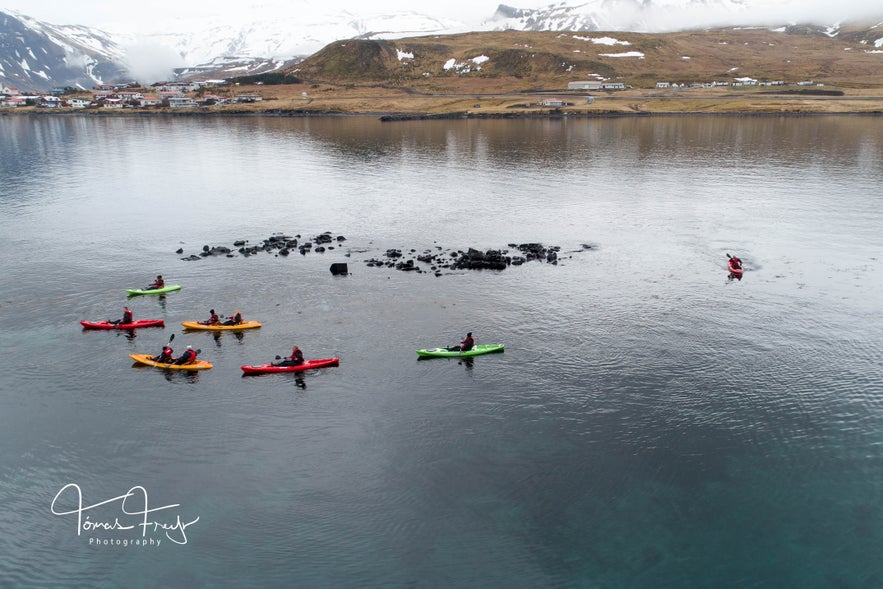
x=307, y=365
x=141, y=291
x=132, y=325
x=478, y=350
x=219, y=326
x=145, y=359
x=734, y=270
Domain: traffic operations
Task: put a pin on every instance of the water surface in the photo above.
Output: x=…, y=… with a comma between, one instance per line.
x=650, y=424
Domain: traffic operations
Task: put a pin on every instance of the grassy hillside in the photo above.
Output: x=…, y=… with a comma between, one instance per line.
x=512, y=60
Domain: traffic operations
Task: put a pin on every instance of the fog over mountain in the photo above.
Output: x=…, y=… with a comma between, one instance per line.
x=237, y=38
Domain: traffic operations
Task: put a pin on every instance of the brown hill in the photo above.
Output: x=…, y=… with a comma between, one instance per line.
x=509, y=61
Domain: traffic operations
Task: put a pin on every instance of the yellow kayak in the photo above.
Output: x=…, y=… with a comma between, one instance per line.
x=145, y=359
x=219, y=326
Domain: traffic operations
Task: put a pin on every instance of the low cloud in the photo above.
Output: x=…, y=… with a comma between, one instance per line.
x=150, y=63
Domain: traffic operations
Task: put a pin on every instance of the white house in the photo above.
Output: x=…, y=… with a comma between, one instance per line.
x=555, y=102
x=182, y=102
x=584, y=85
x=78, y=102
x=50, y=102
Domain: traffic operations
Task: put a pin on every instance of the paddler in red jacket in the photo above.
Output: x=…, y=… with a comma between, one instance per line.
x=127, y=317
x=188, y=357
x=296, y=358
x=213, y=318
x=158, y=283
x=165, y=357
x=236, y=319
x=467, y=344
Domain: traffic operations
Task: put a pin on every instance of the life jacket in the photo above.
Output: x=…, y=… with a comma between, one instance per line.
x=166, y=354
x=467, y=343
x=127, y=317
x=187, y=357
x=214, y=319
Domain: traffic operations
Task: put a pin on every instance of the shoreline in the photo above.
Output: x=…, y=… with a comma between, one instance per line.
x=425, y=116
x=400, y=104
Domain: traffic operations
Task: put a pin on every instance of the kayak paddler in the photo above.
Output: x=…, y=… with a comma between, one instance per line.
x=235, y=320
x=467, y=344
x=188, y=357
x=127, y=317
x=296, y=358
x=213, y=318
x=165, y=356
x=156, y=284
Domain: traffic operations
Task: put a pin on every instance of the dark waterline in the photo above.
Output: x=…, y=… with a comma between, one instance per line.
x=650, y=424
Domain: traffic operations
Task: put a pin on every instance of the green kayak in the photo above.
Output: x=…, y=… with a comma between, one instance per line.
x=478, y=350
x=140, y=291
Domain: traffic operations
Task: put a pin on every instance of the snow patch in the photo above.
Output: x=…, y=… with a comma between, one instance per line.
x=463, y=67
x=601, y=40
x=402, y=55
x=637, y=54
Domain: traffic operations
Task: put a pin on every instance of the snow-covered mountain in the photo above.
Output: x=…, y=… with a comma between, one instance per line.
x=37, y=55
x=660, y=16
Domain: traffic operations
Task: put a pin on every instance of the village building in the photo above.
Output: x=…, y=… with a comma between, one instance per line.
x=553, y=102
x=50, y=102
x=169, y=94
x=15, y=100
x=149, y=101
x=78, y=102
x=584, y=85
x=182, y=102
x=128, y=95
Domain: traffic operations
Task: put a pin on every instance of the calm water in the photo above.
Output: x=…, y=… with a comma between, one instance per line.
x=650, y=424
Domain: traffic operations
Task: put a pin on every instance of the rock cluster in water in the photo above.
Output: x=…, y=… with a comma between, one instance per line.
x=278, y=244
x=433, y=261
x=469, y=259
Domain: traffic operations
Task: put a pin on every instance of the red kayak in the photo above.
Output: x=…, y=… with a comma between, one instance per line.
x=734, y=269
x=132, y=325
x=307, y=365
